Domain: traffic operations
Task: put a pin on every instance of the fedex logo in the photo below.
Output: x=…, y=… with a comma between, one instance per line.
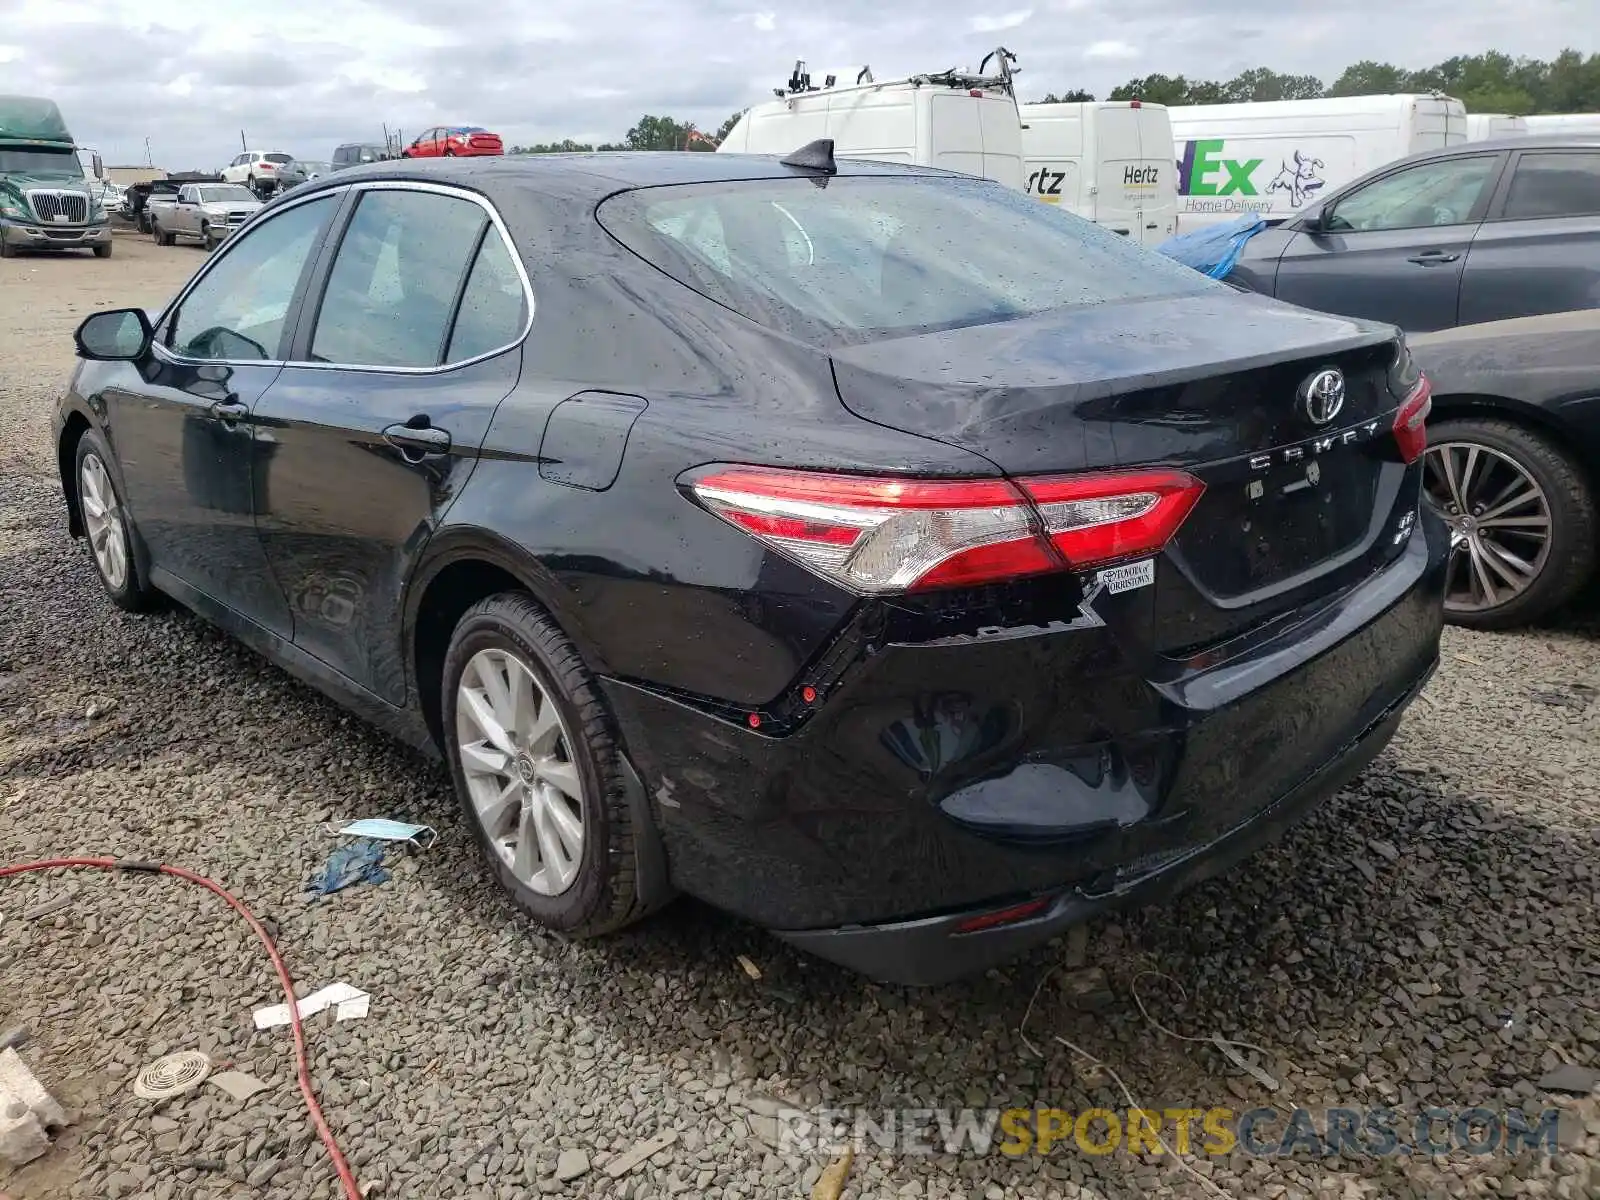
x=1204, y=172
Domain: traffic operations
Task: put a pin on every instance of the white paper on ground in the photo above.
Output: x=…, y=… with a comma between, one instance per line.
x=341, y=994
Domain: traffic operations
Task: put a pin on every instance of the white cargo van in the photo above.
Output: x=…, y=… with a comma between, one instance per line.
x=1106, y=162
x=1275, y=157
x=1481, y=127
x=1561, y=123
x=960, y=122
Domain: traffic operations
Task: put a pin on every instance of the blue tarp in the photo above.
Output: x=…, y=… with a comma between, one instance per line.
x=1214, y=250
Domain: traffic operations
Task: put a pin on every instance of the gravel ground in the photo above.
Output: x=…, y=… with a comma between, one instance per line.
x=1430, y=937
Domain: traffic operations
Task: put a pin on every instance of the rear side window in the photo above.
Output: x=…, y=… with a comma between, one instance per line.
x=394, y=283
x=1560, y=184
x=494, y=307
x=860, y=258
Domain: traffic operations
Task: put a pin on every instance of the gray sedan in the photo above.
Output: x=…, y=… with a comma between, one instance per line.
x=1483, y=231
x=1514, y=462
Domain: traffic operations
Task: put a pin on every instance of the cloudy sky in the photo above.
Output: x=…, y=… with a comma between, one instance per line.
x=304, y=75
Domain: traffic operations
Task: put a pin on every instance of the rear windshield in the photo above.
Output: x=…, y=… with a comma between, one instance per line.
x=856, y=258
x=278, y=158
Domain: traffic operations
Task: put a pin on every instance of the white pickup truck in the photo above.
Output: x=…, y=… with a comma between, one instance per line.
x=205, y=212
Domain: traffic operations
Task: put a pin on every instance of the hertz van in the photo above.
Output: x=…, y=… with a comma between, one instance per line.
x=957, y=121
x=1275, y=157
x=1108, y=162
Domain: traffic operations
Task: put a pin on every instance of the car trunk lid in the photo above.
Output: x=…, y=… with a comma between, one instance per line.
x=1213, y=384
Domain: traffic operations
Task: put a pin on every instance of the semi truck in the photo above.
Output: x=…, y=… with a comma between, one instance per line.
x=46, y=200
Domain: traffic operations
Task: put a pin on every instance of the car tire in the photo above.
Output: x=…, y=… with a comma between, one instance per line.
x=1565, y=499
x=103, y=250
x=7, y=250
x=449, y=153
x=595, y=890
x=107, y=527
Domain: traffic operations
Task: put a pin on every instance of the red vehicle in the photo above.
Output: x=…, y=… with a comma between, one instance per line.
x=454, y=141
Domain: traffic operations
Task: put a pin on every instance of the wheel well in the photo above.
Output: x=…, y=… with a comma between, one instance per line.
x=66, y=462
x=449, y=594
x=1535, y=420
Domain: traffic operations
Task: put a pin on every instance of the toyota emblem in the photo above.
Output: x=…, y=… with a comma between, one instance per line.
x=1322, y=395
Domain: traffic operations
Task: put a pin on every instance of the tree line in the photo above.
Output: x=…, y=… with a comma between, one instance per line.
x=1491, y=82
x=1488, y=83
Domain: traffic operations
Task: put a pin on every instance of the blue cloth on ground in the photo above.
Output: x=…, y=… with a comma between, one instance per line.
x=358, y=863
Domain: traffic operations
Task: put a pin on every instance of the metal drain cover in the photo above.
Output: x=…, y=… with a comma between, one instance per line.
x=172, y=1075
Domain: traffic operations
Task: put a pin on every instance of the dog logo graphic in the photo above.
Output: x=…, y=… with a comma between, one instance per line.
x=1300, y=180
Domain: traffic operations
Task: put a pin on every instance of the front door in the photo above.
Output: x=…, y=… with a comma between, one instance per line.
x=1393, y=250
x=376, y=425
x=182, y=419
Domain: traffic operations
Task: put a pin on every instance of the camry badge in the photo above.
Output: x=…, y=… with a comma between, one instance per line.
x=1322, y=395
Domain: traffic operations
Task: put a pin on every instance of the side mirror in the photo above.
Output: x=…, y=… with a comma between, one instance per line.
x=1315, y=222
x=121, y=335
x=98, y=164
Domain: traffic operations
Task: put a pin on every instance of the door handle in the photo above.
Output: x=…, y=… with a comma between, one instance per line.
x=417, y=443
x=1429, y=257
x=229, y=411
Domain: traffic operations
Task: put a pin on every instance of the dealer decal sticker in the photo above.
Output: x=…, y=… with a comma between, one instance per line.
x=1126, y=578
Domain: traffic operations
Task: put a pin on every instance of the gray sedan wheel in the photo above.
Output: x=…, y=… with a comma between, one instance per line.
x=1521, y=517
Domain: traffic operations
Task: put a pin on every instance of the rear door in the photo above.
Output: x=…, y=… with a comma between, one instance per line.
x=1118, y=162
x=1393, y=249
x=374, y=426
x=1539, y=251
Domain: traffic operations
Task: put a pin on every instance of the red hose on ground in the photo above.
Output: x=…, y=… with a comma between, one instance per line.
x=346, y=1179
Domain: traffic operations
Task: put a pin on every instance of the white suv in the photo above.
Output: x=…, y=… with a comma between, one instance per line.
x=257, y=169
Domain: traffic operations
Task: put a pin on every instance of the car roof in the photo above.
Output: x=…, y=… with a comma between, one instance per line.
x=1526, y=141
x=595, y=176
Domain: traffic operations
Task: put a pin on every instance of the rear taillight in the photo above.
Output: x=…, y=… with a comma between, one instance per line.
x=879, y=534
x=1411, y=421
x=1093, y=519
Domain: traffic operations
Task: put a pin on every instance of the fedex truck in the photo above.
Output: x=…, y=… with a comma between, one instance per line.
x=1582, y=124
x=1107, y=162
x=1275, y=157
x=1481, y=127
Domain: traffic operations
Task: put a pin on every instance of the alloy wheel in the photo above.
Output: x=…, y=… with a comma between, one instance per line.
x=1499, y=520
x=102, y=518
x=516, y=756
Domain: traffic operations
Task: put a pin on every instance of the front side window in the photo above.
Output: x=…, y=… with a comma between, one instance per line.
x=237, y=310
x=1558, y=184
x=394, y=283
x=867, y=257
x=1429, y=194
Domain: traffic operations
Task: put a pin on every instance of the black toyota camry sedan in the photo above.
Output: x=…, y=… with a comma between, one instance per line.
x=893, y=561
